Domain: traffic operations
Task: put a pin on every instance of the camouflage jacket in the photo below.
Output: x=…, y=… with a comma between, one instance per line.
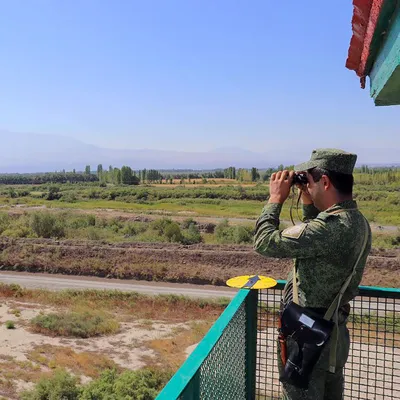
x=325, y=248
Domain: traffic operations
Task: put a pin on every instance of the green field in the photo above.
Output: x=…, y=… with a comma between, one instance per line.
x=379, y=200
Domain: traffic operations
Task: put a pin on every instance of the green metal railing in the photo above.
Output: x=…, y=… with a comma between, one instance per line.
x=237, y=358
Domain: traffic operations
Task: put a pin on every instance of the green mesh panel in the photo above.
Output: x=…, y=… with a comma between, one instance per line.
x=223, y=372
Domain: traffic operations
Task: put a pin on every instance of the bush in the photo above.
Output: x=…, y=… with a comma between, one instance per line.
x=139, y=385
x=53, y=193
x=94, y=194
x=46, y=225
x=4, y=222
x=61, y=385
x=76, y=324
x=243, y=234
x=10, y=325
x=192, y=235
x=173, y=233
x=188, y=222
x=233, y=234
x=159, y=225
x=69, y=197
x=93, y=234
x=91, y=220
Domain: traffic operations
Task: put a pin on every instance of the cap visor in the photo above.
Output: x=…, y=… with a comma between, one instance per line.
x=304, y=166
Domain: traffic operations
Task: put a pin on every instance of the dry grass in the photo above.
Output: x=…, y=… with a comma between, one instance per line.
x=129, y=306
x=23, y=370
x=86, y=363
x=171, y=352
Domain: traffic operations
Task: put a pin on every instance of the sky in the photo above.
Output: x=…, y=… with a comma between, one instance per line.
x=188, y=75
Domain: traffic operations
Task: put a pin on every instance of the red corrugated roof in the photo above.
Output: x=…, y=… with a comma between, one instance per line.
x=359, y=25
x=364, y=22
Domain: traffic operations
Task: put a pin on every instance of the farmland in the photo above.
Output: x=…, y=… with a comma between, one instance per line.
x=198, y=231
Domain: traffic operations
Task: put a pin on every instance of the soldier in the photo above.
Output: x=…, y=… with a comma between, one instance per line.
x=329, y=247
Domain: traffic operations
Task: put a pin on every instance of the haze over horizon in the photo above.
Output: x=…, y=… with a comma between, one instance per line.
x=46, y=153
x=182, y=82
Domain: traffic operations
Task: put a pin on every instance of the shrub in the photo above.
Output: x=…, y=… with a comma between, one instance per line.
x=192, y=235
x=188, y=222
x=10, y=325
x=4, y=222
x=47, y=225
x=173, y=233
x=61, y=385
x=76, y=324
x=159, y=225
x=93, y=234
x=242, y=234
x=233, y=234
x=91, y=220
x=133, y=229
x=53, y=193
x=94, y=194
x=223, y=232
x=143, y=384
x=12, y=194
x=69, y=197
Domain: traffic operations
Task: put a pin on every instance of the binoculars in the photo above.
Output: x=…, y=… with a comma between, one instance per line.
x=300, y=178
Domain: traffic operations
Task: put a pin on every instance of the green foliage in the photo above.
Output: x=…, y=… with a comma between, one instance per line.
x=12, y=193
x=61, y=386
x=173, y=233
x=143, y=384
x=93, y=233
x=81, y=324
x=4, y=222
x=53, y=193
x=385, y=240
x=69, y=197
x=139, y=385
x=10, y=325
x=47, y=225
x=233, y=234
x=192, y=235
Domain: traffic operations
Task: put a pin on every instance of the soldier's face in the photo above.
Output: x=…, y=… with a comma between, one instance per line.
x=316, y=191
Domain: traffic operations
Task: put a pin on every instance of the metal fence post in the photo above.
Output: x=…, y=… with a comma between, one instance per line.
x=251, y=344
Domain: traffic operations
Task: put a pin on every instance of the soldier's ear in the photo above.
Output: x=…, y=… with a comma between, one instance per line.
x=326, y=182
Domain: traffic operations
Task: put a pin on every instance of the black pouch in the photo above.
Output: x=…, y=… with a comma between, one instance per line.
x=310, y=332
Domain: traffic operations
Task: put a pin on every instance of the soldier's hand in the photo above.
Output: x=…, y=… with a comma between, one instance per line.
x=279, y=186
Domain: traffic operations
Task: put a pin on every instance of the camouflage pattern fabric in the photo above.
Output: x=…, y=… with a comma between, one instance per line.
x=325, y=248
x=331, y=159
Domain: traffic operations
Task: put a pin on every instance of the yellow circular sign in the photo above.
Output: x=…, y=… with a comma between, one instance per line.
x=251, y=282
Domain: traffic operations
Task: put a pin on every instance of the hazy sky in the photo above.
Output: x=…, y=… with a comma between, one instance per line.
x=187, y=75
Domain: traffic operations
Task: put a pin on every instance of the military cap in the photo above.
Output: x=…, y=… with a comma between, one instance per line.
x=331, y=159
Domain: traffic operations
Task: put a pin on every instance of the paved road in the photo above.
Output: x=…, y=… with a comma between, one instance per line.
x=60, y=282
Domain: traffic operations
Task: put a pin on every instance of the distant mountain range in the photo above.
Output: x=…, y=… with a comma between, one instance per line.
x=22, y=152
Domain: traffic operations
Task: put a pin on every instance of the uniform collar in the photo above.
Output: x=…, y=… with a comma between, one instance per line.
x=343, y=205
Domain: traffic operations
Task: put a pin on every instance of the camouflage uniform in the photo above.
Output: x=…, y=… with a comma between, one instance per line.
x=325, y=248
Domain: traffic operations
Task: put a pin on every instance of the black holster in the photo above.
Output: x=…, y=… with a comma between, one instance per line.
x=307, y=332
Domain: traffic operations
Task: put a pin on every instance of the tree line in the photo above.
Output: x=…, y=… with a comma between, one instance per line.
x=127, y=176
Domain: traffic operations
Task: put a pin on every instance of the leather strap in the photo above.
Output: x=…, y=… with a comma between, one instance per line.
x=295, y=287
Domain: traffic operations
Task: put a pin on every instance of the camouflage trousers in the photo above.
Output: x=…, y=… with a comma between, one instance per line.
x=324, y=385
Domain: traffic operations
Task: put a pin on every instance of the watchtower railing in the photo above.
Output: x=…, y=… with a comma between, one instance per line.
x=237, y=358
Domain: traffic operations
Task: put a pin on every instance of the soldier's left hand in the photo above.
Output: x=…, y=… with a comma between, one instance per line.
x=279, y=186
